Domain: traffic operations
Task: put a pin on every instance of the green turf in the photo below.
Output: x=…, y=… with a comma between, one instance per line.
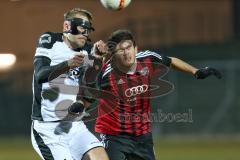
x=16, y=148
x=186, y=148
x=167, y=148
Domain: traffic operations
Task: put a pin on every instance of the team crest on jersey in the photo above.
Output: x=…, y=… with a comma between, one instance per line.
x=45, y=38
x=144, y=71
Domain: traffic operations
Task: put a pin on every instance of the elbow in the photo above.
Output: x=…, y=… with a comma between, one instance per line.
x=40, y=79
x=173, y=61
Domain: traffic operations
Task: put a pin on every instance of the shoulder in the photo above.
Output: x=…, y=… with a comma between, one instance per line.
x=148, y=54
x=106, y=69
x=46, y=42
x=155, y=57
x=47, y=39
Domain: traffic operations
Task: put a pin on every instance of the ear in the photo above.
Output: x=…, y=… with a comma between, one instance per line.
x=66, y=26
x=136, y=49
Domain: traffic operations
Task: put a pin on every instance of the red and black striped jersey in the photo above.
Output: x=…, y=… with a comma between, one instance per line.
x=126, y=107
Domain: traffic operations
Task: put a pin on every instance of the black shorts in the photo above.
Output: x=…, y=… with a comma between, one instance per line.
x=127, y=147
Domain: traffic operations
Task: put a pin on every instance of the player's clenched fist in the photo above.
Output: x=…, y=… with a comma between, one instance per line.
x=207, y=71
x=99, y=49
x=76, y=61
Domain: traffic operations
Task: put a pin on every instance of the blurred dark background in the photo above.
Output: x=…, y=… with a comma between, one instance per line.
x=202, y=32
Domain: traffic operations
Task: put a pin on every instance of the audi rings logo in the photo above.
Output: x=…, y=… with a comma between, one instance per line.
x=130, y=92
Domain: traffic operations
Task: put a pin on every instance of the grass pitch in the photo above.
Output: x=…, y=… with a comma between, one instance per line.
x=166, y=148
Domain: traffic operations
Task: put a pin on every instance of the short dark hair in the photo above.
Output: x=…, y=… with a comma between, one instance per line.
x=75, y=11
x=119, y=36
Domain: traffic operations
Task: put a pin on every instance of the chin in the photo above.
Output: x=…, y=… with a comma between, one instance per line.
x=81, y=44
x=128, y=65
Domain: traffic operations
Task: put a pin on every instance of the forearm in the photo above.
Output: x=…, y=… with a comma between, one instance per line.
x=93, y=70
x=44, y=72
x=180, y=65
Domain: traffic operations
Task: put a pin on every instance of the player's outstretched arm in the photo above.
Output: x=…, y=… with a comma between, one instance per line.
x=180, y=65
x=202, y=73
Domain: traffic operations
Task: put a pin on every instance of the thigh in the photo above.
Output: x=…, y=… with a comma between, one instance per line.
x=144, y=149
x=82, y=141
x=97, y=153
x=134, y=157
x=48, y=145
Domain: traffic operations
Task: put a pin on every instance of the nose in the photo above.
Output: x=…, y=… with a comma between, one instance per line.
x=85, y=34
x=125, y=51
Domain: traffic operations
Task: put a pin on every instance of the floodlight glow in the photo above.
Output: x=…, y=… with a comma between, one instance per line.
x=7, y=60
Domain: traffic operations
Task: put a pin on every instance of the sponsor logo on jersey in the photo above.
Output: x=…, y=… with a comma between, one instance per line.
x=137, y=90
x=144, y=71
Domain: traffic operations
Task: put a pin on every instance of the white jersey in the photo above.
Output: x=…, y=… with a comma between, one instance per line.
x=51, y=99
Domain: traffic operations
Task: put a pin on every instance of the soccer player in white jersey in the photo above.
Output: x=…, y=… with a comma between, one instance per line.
x=59, y=61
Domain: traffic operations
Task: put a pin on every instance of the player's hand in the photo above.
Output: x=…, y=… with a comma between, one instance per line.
x=78, y=111
x=207, y=71
x=76, y=108
x=76, y=61
x=99, y=49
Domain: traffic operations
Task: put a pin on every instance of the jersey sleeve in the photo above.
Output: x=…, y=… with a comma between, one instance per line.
x=160, y=58
x=44, y=45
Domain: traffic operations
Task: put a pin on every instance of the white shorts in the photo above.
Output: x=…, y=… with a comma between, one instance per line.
x=62, y=140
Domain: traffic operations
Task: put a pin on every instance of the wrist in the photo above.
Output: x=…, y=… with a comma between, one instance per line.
x=66, y=63
x=194, y=71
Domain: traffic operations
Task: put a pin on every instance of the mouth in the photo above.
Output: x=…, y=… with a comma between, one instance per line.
x=82, y=37
x=128, y=59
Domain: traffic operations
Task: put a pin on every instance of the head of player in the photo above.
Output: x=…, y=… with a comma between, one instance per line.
x=123, y=48
x=76, y=27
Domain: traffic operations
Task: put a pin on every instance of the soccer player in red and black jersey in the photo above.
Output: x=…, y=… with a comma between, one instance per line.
x=127, y=82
